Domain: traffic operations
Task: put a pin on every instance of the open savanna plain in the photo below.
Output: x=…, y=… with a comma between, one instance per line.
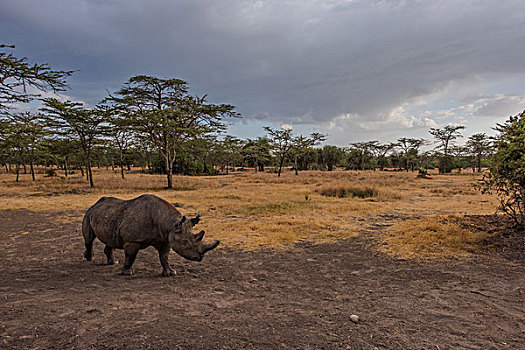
x=424, y=262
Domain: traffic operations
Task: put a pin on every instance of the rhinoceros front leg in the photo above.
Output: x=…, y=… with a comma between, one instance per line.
x=109, y=254
x=130, y=251
x=164, y=252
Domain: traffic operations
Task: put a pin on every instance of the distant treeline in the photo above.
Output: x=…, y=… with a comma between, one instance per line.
x=26, y=142
x=157, y=125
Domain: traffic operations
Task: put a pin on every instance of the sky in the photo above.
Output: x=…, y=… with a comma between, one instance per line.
x=356, y=70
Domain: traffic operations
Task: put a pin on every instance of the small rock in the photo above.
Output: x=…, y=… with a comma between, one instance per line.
x=354, y=318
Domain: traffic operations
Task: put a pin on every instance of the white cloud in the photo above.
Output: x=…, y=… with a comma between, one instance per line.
x=398, y=118
x=349, y=66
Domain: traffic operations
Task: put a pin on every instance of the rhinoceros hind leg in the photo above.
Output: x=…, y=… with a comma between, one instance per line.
x=130, y=252
x=88, y=254
x=164, y=252
x=89, y=237
x=109, y=254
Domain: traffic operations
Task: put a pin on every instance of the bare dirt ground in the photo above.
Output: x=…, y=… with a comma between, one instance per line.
x=264, y=299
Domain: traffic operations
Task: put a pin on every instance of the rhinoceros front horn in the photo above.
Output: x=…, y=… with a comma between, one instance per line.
x=207, y=247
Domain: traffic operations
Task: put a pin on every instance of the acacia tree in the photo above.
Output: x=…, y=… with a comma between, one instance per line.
x=119, y=129
x=507, y=171
x=281, y=142
x=381, y=151
x=70, y=118
x=363, y=150
x=445, y=138
x=257, y=153
x=163, y=110
x=59, y=149
x=231, y=147
x=301, y=144
x=329, y=156
x=479, y=145
x=460, y=154
x=27, y=135
x=410, y=146
x=14, y=143
x=17, y=74
x=4, y=147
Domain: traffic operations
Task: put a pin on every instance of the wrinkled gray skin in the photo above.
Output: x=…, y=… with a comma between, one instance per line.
x=139, y=223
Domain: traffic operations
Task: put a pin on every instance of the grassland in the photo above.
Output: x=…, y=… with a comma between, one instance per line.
x=247, y=210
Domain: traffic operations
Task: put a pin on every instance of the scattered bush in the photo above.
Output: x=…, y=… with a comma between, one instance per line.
x=507, y=172
x=51, y=172
x=343, y=191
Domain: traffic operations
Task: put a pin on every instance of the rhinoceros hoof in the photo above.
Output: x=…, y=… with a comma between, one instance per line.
x=112, y=262
x=126, y=272
x=168, y=273
x=86, y=259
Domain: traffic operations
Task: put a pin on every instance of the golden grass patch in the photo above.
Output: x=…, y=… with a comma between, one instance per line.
x=248, y=210
x=431, y=237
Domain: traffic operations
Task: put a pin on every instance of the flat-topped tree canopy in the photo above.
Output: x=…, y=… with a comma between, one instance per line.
x=17, y=75
x=165, y=112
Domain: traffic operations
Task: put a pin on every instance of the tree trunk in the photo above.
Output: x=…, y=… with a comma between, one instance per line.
x=65, y=167
x=88, y=171
x=445, y=161
x=479, y=163
x=81, y=170
x=281, y=162
x=121, y=166
x=25, y=168
x=169, y=171
x=295, y=166
x=17, y=170
x=32, y=168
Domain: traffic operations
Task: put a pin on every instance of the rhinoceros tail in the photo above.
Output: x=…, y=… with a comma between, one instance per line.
x=89, y=237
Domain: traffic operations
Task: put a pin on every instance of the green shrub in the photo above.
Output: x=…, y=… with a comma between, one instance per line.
x=507, y=172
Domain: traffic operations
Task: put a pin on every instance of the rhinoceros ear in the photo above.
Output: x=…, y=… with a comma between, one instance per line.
x=199, y=236
x=195, y=220
x=178, y=224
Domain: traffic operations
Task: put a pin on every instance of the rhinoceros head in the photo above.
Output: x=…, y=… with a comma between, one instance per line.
x=187, y=244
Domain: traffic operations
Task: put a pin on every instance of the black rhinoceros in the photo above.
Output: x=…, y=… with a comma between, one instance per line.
x=139, y=223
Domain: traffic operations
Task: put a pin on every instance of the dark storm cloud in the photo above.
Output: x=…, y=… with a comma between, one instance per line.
x=290, y=61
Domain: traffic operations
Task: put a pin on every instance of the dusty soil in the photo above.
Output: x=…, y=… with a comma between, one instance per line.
x=51, y=298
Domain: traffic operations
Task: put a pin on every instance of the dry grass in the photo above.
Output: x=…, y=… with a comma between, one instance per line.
x=431, y=237
x=247, y=210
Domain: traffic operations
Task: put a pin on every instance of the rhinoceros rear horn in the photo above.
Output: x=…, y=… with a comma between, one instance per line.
x=195, y=220
x=199, y=236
